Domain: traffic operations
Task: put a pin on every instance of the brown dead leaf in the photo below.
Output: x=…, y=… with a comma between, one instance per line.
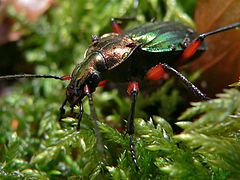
x=6, y=33
x=221, y=62
x=32, y=8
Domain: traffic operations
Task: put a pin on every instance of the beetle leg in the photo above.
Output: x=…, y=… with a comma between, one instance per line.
x=116, y=27
x=155, y=73
x=79, y=117
x=196, y=43
x=186, y=82
x=94, y=116
x=62, y=111
x=132, y=91
x=116, y=22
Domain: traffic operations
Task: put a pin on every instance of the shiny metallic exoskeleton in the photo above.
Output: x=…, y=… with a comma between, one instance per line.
x=129, y=56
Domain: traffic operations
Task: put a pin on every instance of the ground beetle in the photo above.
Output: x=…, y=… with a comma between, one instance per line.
x=144, y=51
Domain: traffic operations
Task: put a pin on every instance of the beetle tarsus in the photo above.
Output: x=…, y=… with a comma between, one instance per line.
x=186, y=82
x=133, y=91
x=133, y=154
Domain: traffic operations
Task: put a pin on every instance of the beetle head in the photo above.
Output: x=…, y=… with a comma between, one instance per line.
x=76, y=90
x=74, y=94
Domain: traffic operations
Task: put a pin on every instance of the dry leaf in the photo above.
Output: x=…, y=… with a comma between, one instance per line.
x=32, y=8
x=221, y=62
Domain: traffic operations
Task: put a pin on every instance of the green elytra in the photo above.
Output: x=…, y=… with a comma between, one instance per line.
x=162, y=36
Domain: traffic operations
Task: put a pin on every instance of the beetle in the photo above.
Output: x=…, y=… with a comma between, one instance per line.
x=130, y=56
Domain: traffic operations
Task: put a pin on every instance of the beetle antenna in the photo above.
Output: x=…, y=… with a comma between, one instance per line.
x=18, y=76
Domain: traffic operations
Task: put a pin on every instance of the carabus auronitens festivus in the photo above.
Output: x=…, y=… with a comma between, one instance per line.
x=130, y=56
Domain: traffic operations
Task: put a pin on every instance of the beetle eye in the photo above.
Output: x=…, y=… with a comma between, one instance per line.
x=95, y=78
